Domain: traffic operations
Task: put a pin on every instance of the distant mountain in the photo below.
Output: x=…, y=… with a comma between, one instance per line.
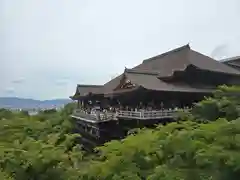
x=21, y=103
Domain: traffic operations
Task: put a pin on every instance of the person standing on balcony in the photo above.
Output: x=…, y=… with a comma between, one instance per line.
x=98, y=111
x=162, y=106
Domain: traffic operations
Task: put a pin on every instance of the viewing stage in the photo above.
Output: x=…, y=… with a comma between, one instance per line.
x=148, y=94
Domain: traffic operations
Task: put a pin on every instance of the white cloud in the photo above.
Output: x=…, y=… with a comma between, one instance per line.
x=62, y=82
x=9, y=90
x=18, y=81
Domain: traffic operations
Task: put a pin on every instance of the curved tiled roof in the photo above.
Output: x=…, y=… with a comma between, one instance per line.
x=179, y=59
x=152, y=82
x=147, y=73
x=84, y=89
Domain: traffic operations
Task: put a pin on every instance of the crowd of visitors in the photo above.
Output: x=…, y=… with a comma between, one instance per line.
x=109, y=111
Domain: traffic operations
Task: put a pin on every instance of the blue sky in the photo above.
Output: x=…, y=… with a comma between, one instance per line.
x=48, y=46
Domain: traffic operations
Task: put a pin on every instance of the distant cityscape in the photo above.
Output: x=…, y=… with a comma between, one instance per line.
x=33, y=111
x=31, y=105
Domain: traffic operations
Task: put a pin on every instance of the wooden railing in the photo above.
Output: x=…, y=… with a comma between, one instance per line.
x=94, y=116
x=144, y=115
x=147, y=114
x=128, y=114
x=158, y=114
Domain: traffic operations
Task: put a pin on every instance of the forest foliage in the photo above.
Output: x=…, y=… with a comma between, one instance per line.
x=203, y=144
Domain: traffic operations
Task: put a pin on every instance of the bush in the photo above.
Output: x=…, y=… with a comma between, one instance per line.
x=225, y=103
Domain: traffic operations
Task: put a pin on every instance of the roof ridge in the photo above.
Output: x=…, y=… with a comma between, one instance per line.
x=234, y=64
x=230, y=59
x=88, y=85
x=167, y=53
x=141, y=72
x=220, y=66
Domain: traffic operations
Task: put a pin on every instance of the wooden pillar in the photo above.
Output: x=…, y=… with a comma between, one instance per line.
x=83, y=105
x=97, y=133
x=78, y=104
x=91, y=131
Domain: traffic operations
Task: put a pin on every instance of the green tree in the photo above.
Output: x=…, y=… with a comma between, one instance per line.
x=6, y=114
x=38, y=147
x=42, y=147
x=186, y=150
x=68, y=108
x=225, y=103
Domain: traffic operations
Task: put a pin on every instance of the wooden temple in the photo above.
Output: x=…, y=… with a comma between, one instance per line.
x=148, y=94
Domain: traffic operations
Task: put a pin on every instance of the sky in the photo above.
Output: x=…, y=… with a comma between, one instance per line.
x=49, y=46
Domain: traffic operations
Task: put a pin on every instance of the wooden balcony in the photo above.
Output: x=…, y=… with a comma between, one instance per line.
x=145, y=115
x=93, y=117
x=142, y=115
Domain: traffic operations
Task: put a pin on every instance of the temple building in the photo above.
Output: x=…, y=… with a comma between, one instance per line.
x=149, y=93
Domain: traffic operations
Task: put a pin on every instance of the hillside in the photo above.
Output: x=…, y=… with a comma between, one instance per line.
x=13, y=102
x=203, y=145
